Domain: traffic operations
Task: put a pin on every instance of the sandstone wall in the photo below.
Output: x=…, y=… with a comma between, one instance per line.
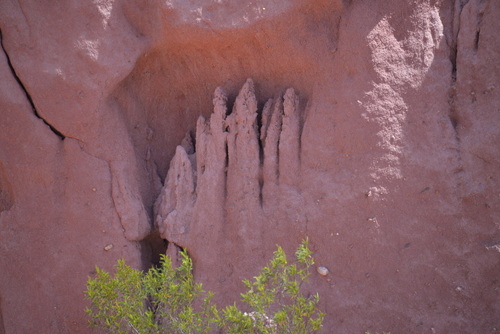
x=372, y=127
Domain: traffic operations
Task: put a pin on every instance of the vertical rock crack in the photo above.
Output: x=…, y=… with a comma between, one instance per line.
x=26, y=93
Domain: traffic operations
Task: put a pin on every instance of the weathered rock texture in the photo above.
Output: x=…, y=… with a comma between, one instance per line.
x=220, y=197
x=385, y=154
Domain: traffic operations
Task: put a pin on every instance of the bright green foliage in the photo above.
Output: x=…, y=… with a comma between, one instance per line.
x=275, y=300
x=166, y=300
x=162, y=300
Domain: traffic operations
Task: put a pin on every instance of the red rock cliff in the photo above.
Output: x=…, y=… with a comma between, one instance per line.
x=372, y=127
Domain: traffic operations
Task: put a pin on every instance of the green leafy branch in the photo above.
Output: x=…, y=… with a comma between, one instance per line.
x=167, y=300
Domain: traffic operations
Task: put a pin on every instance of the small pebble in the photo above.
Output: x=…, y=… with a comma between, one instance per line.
x=323, y=271
x=108, y=247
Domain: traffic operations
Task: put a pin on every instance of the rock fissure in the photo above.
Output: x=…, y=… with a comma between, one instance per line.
x=476, y=39
x=453, y=46
x=26, y=93
x=453, y=117
x=479, y=21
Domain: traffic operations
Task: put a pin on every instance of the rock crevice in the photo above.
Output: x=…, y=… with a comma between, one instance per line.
x=26, y=93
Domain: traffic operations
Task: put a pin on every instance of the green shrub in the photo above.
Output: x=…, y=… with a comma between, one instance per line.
x=159, y=301
x=166, y=300
x=275, y=299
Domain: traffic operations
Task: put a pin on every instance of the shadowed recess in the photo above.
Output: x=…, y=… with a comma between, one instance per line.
x=6, y=196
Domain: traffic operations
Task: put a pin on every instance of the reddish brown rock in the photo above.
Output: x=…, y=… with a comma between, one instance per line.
x=385, y=153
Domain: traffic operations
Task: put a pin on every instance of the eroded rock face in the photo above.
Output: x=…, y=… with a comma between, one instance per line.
x=219, y=194
x=385, y=154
